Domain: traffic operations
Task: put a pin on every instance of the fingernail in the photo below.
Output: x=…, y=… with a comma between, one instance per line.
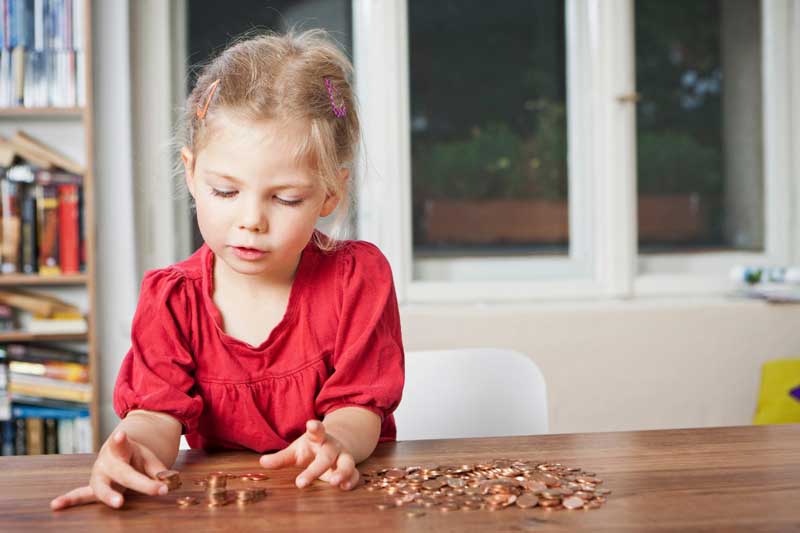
x=301, y=483
x=163, y=490
x=116, y=500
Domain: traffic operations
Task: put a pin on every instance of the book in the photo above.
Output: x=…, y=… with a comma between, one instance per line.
x=42, y=352
x=27, y=146
x=58, y=324
x=49, y=388
x=47, y=223
x=34, y=437
x=7, y=443
x=20, y=434
x=83, y=435
x=52, y=369
x=7, y=320
x=29, y=411
x=30, y=244
x=41, y=304
x=66, y=437
x=37, y=401
x=50, y=436
x=69, y=231
x=7, y=153
x=11, y=227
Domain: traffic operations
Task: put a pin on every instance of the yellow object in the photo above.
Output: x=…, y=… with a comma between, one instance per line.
x=776, y=403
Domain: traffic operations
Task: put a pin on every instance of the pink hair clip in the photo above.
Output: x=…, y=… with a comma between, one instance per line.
x=339, y=111
x=201, y=111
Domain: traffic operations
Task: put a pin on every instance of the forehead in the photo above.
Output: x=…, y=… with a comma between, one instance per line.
x=247, y=148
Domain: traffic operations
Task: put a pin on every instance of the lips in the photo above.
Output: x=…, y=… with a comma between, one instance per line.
x=247, y=253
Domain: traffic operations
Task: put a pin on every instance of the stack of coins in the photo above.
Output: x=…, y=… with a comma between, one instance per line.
x=216, y=489
x=492, y=486
x=172, y=478
x=245, y=496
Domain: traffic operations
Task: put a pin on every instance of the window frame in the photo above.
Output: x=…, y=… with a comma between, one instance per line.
x=601, y=162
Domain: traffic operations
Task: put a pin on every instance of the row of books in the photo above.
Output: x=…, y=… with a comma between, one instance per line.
x=48, y=315
x=44, y=399
x=41, y=213
x=36, y=431
x=42, y=61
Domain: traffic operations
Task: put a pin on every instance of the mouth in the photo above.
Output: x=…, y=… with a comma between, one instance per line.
x=247, y=253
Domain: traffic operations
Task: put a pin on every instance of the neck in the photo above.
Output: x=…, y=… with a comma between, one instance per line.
x=251, y=284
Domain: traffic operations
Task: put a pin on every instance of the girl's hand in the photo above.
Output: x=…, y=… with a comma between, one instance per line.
x=122, y=461
x=322, y=453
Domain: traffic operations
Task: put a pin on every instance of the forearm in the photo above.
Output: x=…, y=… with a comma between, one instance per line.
x=159, y=432
x=357, y=429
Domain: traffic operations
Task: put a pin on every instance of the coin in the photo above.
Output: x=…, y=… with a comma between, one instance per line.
x=171, y=478
x=573, y=502
x=254, y=476
x=526, y=501
x=186, y=501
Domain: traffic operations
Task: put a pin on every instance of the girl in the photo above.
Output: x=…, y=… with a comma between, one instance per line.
x=272, y=336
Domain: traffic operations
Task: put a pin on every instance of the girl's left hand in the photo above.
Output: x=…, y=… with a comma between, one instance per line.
x=322, y=454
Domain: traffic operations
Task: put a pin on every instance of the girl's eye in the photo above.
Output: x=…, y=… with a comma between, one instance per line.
x=223, y=194
x=287, y=202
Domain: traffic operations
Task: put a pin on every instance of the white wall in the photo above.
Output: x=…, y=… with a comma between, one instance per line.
x=627, y=365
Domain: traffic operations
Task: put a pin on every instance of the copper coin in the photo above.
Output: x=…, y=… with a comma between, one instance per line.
x=186, y=501
x=573, y=502
x=526, y=501
x=171, y=478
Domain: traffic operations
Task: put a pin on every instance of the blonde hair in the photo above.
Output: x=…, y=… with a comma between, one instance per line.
x=282, y=77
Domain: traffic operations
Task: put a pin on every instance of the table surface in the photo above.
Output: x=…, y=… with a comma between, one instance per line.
x=711, y=479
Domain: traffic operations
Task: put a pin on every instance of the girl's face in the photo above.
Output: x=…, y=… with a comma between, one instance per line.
x=256, y=208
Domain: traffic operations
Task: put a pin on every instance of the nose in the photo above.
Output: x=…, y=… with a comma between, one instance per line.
x=253, y=217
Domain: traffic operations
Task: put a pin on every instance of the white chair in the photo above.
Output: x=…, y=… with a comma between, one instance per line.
x=471, y=393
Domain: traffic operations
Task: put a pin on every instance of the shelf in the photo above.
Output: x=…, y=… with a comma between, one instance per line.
x=41, y=112
x=25, y=336
x=35, y=279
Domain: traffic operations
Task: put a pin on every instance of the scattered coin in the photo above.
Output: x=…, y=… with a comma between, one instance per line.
x=172, y=478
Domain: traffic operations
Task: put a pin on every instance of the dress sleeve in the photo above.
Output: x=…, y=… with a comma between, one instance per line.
x=368, y=362
x=157, y=374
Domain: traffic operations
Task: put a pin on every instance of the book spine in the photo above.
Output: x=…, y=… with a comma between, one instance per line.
x=35, y=436
x=11, y=226
x=45, y=391
x=68, y=224
x=50, y=436
x=66, y=442
x=30, y=247
x=55, y=370
x=20, y=434
x=7, y=446
x=33, y=411
x=83, y=430
x=47, y=205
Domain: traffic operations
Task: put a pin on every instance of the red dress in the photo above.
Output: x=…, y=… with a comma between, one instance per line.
x=338, y=345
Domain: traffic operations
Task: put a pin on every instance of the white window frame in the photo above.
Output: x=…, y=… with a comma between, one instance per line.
x=602, y=163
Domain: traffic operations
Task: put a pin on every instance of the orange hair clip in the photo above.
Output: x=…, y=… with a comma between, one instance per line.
x=201, y=112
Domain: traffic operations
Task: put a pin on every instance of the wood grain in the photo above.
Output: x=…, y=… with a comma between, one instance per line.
x=714, y=479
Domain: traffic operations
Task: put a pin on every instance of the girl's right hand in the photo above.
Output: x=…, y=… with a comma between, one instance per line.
x=121, y=461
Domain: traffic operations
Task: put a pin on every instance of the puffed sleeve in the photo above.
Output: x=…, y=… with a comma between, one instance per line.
x=157, y=374
x=368, y=358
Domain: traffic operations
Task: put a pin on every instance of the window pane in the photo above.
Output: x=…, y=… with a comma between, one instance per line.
x=698, y=69
x=488, y=128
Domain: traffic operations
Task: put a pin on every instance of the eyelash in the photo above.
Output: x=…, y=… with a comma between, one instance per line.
x=231, y=194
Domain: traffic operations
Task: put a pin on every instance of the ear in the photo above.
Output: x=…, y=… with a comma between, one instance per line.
x=188, y=168
x=332, y=200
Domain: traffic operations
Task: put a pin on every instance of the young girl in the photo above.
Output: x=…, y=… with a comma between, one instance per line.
x=272, y=336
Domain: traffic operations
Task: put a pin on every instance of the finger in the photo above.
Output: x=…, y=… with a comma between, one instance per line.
x=316, y=431
x=325, y=458
x=101, y=486
x=352, y=482
x=120, y=445
x=78, y=496
x=285, y=457
x=129, y=477
x=344, y=469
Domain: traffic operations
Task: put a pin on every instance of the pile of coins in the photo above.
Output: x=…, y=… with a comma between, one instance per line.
x=171, y=478
x=218, y=494
x=492, y=486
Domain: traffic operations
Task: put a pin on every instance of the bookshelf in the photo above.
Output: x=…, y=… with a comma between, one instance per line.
x=70, y=130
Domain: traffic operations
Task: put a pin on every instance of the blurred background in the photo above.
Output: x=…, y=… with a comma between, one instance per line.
x=574, y=180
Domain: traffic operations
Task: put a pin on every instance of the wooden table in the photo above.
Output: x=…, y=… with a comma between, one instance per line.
x=718, y=479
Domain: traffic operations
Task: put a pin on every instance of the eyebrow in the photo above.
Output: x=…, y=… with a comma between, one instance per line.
x=237, y=181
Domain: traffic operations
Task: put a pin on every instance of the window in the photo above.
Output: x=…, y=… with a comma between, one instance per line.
x=663, y=195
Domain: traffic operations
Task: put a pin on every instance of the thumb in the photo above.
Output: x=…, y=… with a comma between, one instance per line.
x=315, y=431
x=120, y=446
